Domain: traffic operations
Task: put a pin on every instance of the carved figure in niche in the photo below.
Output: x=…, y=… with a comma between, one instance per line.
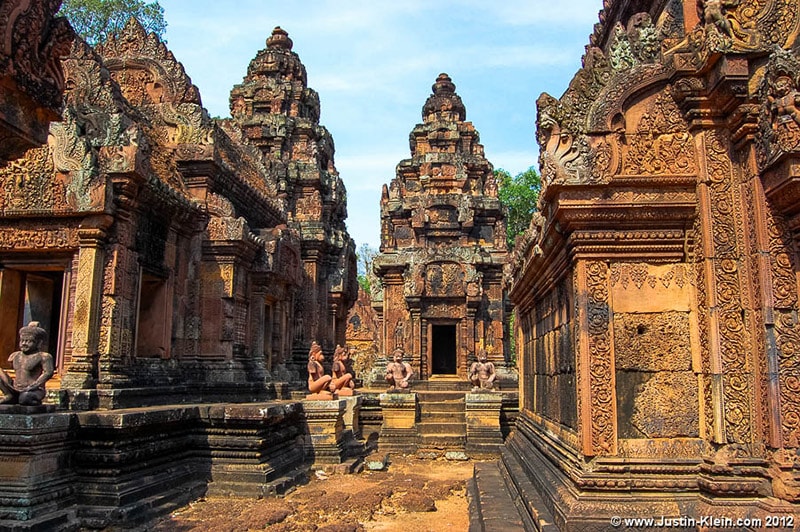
x=399, y=373
x=399, y=334
x=712, y=12
x=490, y=187
x=412, y=281
x=466, y=213
x=435, y=278
x=490, y=333
x=298, y=326
x=394, y=190
x=32, y=368
x=474, y=283
x=784, y=103
x=318, y=382
x=341, y=381
x=482, y=374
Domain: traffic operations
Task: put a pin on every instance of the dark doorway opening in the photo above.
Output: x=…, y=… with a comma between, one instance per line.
x=26, y=296
x=443, y=350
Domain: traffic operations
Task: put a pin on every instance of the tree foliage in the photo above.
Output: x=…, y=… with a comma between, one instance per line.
x=95, y=20
x=519, y=195
x=364, y=257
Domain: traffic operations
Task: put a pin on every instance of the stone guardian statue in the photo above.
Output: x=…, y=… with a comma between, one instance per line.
x=32, y=368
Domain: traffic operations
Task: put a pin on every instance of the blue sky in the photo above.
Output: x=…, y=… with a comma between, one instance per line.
x=373, y=64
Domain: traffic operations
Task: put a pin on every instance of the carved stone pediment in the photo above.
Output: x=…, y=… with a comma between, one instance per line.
x=145, y=69
x=32, y=43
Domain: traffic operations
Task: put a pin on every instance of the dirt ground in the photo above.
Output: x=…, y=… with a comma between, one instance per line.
x=410, y=495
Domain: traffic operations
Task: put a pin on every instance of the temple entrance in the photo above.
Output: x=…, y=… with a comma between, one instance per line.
x=443, y=349
x=28, y=295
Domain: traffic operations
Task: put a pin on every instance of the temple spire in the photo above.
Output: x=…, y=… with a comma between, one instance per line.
x=444, y=104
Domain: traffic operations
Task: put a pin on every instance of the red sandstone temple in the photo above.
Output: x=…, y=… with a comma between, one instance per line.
x=443, y=248
x=182, y=265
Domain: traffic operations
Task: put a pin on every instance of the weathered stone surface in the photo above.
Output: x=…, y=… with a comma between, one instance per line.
x=325, y=420
x=652, y=341
x=363, y=338
x=377, y=462
x=483, y=421
x=664, y=406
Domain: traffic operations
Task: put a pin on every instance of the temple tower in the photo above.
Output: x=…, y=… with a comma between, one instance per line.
x=443, y=246
x=279, y=115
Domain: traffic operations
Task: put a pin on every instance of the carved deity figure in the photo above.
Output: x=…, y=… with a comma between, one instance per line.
x=317, y=380
x=398, y=373
x=298, y=327
x=482, y=374
x=399, y=334
x=784, y=101
x=713, y=13
x=342, y=380
x=32, y=368
x=490, y=187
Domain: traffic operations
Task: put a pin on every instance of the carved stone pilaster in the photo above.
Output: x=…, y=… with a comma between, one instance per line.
x=82, y=370
x=595, y=364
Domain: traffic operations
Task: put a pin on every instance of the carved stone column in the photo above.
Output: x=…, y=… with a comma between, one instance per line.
x=82, y=370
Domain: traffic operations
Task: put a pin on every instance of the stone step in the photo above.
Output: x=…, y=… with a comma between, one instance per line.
x=443, y=385
x=436, y=419
x=530, y=505
x=491, y=505
x=424, y=427
x=440, y=396
x=275, y=486
x=444, y=407
x=441, y=441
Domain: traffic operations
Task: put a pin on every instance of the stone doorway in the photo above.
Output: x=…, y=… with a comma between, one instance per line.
x=28, y=294
x=443, y=349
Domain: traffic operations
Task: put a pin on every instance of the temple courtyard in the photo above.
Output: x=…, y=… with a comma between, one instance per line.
x=411, y=494
x=191, y=346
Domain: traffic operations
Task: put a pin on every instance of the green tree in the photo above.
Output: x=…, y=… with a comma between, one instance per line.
x=519, y=196
x=95, y=20
x=364, y=256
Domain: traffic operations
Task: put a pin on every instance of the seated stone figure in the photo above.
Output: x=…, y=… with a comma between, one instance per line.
x=398, y=373
x=32, y=368
x=342, y=381
x=318, y=382
x=481, y=373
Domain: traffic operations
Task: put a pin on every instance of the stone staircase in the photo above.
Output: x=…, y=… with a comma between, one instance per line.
x=442, y=422
x=503, y=499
